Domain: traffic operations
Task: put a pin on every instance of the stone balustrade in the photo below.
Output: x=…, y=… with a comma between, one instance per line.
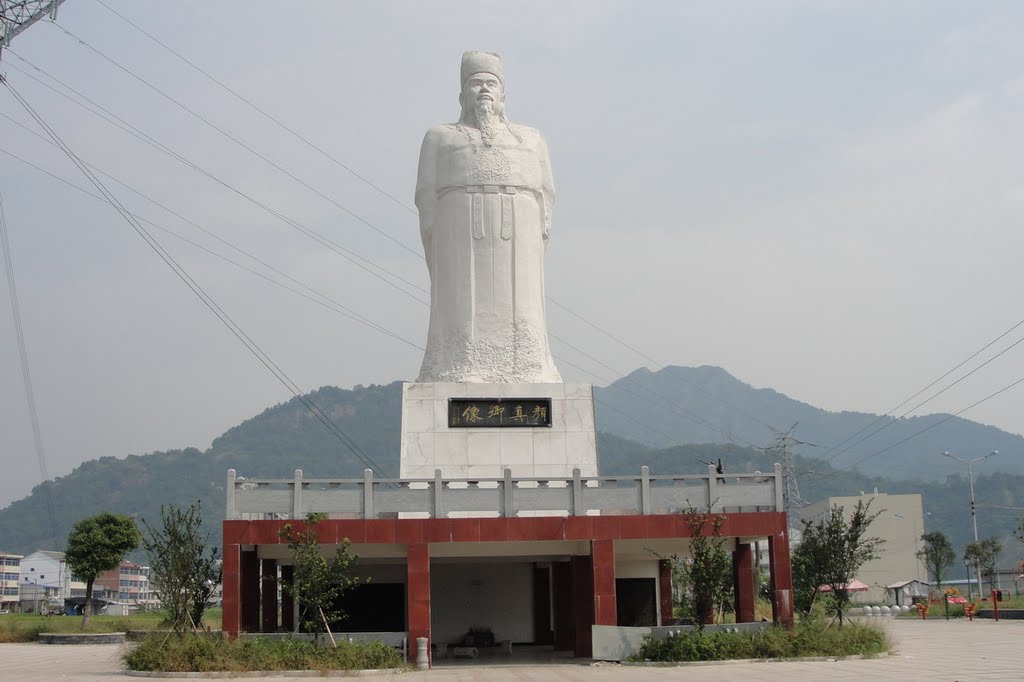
x=438, y=497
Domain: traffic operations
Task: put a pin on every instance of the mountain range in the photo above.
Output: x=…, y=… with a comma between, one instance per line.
x=674, y=420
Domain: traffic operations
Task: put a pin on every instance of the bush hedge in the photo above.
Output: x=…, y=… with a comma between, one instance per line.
x=199, y=653
x=806, y=639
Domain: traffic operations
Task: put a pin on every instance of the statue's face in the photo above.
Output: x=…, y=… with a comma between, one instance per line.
x=481, y=87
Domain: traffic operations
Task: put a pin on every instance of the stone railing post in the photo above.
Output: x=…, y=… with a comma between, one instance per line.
x=780, y=504
x=229, y=512
x=645, y=490
x=577, y=493
x=368, y=512
x=438, y=511
x=714, y=504
x=297, y=495
x=507, y=503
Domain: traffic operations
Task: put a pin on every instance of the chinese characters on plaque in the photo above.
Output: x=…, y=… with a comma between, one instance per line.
x=498, y=412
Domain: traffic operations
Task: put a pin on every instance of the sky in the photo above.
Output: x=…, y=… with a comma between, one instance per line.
x=824, y=199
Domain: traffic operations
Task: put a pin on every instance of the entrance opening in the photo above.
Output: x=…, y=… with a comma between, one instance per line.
x=373, y=607
x=635, y=600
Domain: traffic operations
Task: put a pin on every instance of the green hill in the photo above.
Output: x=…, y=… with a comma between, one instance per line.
x=663, y=409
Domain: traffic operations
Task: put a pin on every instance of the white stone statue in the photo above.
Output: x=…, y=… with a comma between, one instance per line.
x=484, y=193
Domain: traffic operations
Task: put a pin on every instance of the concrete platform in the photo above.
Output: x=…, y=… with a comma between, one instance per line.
x=934, y=650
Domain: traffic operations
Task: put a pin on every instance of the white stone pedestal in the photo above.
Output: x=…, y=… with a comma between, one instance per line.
x=428, y=443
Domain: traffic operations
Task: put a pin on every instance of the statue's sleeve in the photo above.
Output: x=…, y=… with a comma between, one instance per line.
x=426, y=190
x=547, y=186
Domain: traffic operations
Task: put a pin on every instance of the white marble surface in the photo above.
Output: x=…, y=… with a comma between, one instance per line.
x=428, y=443
x=484, y=192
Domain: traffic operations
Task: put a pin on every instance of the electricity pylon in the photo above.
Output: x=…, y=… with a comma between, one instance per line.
x=783, y=445
x=18, y=15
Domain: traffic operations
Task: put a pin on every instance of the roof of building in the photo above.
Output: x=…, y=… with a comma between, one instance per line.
x=53, y=554
x=904, y=583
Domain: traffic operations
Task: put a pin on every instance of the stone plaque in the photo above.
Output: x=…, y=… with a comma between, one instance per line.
x=469, y=413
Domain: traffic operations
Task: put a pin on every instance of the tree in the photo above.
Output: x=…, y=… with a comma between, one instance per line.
x=318, y=582
x=182, y=572
x=830, y=553
x=97, y=544
x=1018, y=532
x=704, y=579
x=937, y=555
x=984, y=554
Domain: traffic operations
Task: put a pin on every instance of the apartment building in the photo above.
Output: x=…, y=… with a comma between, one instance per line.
x=10, y=576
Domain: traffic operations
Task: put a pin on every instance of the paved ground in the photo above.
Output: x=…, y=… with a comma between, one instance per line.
x=926, y=650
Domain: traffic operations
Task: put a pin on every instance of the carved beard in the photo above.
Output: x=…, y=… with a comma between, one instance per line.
x=488, y=121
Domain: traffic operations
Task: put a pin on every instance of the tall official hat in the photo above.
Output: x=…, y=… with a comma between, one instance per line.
x=481, y=62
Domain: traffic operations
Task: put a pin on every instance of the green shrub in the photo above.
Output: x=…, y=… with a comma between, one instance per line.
x=199, y=653
x=25, y=627
x=810, y=638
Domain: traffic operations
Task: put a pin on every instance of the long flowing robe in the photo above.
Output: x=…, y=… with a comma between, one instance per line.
x=485, y=216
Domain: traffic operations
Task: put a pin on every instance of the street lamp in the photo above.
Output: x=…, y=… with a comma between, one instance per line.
x=974, y=514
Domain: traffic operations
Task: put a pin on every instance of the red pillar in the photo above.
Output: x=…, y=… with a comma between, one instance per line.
x=268, y=590
x=665, y=591
x=287, y=599
x=603, y=554
x=418, y=595
x=781, y=578
x=249, y=582
x=744, y=575
x=231, y=615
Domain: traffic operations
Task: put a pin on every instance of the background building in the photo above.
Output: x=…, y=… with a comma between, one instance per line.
x=10, y=576
x=128, y=583
x=45, y=581
x=900, y=523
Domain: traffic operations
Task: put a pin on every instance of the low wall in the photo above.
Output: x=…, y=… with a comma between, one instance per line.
x=614, y=643
x=81, y=637
x=1008, y=614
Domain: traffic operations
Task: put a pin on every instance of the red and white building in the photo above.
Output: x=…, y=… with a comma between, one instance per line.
x=573, y=563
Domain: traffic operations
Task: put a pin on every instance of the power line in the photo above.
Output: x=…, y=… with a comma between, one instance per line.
x=106, y=115
x=662, y=365
x=961, y=364
x=260, y=111
x=347, y=168
x=237, y=141
x=26, y=374
x=197, y=245
x=160, y=147
x=292, y=176
x=918, y=433
x=327, y=302
x=208, y=301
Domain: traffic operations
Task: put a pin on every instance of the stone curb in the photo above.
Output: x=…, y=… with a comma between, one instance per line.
x=800, y=659
x=81, y=637
x=265, y=673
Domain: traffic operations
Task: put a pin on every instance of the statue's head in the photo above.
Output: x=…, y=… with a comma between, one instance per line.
x=483, y=84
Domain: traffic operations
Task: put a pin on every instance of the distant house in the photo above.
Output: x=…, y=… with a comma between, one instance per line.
x=10, y=576
x=128, y=583
x=903, y=593
x=45, y=580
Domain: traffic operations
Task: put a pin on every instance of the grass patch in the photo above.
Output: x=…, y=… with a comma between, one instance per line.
x=809, y=638
x=199, y=653
x=25, y=627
